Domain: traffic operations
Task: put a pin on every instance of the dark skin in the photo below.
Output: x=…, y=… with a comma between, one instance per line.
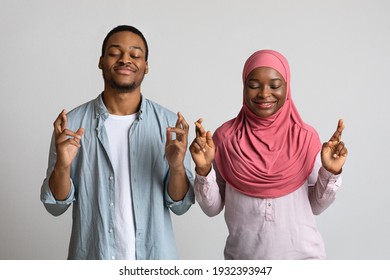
x=265, y=93
x=124, y=67
x=334, y=152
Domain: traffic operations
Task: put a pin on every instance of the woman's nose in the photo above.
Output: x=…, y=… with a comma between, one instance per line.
x=264, y=92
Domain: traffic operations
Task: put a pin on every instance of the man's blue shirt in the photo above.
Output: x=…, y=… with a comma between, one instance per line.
x=93, y=186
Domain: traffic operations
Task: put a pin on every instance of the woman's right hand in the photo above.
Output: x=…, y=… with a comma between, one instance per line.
x=202, y=149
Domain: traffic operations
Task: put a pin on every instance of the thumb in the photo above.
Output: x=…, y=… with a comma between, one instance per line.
x=326, y=147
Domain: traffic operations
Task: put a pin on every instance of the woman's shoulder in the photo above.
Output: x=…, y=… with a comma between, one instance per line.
x=225, y=126
x=309, y=129
x=223, y=130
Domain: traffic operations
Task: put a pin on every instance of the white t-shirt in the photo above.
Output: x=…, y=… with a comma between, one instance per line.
x=117, y=128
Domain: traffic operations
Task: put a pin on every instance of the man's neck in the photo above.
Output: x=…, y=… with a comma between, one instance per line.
x=122, y=104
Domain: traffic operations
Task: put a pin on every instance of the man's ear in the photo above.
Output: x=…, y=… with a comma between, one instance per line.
x=100, y=65
x=146, y=68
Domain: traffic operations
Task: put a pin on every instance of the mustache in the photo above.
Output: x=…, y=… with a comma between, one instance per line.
x=127, y=65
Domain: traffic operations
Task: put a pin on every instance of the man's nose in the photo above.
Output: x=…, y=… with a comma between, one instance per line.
x=125, y=59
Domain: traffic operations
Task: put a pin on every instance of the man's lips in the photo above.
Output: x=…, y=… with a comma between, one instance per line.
x=124, y=70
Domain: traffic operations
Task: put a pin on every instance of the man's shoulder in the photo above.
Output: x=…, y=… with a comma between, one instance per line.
x=82, y=109
x=151, y=107
x=82, y=114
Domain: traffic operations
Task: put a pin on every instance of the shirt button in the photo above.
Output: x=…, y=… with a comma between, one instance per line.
x=110, y=230
x=113, y=257
x=269, y=204
x=111, y=178
x=112, y=204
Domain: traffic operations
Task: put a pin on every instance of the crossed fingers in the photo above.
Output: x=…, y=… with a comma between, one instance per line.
x=62, y=133
x=339, y=146
x=200, y=139
x=181, y=129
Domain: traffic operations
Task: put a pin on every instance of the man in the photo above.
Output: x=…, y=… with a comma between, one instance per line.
x=122, y=161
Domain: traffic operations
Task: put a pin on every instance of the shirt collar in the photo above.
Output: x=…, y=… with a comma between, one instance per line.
x=102, y=111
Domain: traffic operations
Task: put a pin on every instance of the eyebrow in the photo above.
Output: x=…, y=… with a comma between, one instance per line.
x=119, y=46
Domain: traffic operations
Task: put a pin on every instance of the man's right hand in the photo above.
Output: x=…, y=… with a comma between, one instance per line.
x=67, y=142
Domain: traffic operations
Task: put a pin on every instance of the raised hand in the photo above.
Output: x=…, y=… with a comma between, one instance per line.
x=334, y=153
x=202, y=149
x=175, y=149
x=67, y=142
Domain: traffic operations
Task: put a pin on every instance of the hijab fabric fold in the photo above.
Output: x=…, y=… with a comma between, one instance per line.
x=266, y=157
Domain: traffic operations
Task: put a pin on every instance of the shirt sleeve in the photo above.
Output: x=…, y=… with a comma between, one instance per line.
x=323, y=192
x=207, y=194
x=53, y=206
x=181, y=206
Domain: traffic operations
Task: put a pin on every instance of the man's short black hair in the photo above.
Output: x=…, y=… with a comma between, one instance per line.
x=129, y=28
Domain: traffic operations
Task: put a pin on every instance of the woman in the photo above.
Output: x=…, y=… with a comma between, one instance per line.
x=268, y=169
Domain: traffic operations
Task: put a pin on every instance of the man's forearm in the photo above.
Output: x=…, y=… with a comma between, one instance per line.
x=59, y=183
x=178, y=184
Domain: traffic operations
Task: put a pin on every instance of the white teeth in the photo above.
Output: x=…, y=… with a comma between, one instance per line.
x=265, y=105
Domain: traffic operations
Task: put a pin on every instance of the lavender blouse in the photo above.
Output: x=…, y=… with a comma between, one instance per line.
x=277, y=228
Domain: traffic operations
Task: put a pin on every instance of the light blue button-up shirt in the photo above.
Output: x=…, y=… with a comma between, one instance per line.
x=93, y=186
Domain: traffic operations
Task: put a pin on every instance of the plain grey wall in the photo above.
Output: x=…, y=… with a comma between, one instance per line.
x=339, y=57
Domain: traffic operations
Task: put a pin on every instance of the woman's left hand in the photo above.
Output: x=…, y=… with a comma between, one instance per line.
x=334, y=153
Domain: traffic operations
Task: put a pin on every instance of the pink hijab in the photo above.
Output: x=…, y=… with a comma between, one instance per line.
x=266, y=157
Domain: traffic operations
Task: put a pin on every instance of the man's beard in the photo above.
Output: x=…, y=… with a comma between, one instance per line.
x=123, y=88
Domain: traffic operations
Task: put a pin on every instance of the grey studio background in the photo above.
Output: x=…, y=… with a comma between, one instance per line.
x=338, y=53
